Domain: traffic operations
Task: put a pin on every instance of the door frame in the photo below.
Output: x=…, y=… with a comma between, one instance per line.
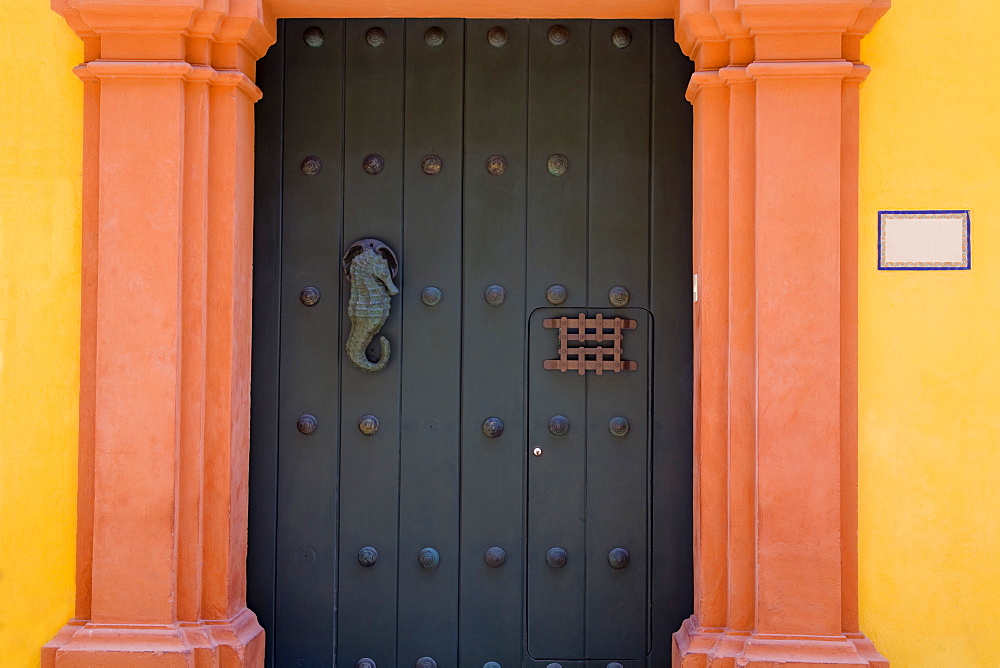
x=166, y=316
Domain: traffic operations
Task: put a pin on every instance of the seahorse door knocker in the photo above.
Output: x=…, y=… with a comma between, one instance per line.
x=370, y=266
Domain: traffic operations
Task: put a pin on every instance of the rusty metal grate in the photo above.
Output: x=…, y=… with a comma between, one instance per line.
x=576, y=333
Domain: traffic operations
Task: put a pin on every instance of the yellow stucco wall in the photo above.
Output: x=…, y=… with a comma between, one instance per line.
x=930, y=342
x=40, y=176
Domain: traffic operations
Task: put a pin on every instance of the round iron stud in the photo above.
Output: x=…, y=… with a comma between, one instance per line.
x=618, y=425
x=368, y=425
x=618, y=296
x=615, y=664
x=497, y=36
x=558, y=425
x=428, y=558
x=558, y=164
x=373, y=164
x=365, y=663
x=556, y=557
x=558, y=35
x=492, y=427
x=426, y=662
x=305, y=556
x=375, y=37
x=621, y=37
x=368, y=556
x=619, y=558
x=554, y=665
x=312, y=165
x=431, y=165
x=313, y=37
x=556, y=294
x=430, y=296
x=537, y=452
x=495, y=295
x=309, y=296
x=307, y=424
x=491, y=664
x=495, y=557
x=496, y=165
x=434, y=36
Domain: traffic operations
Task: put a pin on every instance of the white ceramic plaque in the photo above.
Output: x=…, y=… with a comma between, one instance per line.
x=923, y=240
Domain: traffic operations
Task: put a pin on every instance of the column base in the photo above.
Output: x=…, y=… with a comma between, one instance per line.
x=232, y=643
x=695, y=647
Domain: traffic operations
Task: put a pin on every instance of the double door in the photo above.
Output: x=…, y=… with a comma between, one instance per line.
x=512, y=487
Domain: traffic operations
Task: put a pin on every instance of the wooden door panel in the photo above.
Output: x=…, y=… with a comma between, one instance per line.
x=594, y=136
x=369, y=464
x=619, y=164
x=671, y=383
x=431, y=345
x=491, y=601
x=557, y=500
x=558, y=116
x=618, y=485
x=618, y=495
x=306, y=554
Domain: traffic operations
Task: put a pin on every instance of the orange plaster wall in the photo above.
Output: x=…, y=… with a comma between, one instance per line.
x=929, y=361
x=40, y=203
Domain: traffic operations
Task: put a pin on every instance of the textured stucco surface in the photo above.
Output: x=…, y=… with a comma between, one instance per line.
x=929, y=359
x=40, y=181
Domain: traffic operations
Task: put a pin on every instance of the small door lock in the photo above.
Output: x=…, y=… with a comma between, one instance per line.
x=537, y=452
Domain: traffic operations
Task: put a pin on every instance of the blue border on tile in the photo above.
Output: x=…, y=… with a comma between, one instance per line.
x=968, y=236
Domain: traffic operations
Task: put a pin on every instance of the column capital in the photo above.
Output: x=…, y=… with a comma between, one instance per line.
x=793, y=69
x=702, y=80
x=718, y=33
x=226, y=35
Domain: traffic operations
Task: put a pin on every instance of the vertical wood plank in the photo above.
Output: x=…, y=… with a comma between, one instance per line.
x=306, y=553
x=617, y=467
x=264, y=427
x=431, y=345
x=491, y=627
x=558, y=115
x=556, y=500
x=369, y=482
x=618, y=502
x=619, y=165
x=671, y=304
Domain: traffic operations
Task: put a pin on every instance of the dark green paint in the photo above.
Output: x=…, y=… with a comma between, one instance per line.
x=490, y=599
x=369, y=465
x=266, y=333
x=431, y=346
x=430, y=478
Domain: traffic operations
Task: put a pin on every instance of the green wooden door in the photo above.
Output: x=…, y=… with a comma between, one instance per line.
x=503, y=513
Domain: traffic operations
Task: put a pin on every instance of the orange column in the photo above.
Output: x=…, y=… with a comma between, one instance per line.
x=797, y=278
x=227, y=409
x=780, y=486
x=163, y=578
x=138, y=342
x=708, y=94
x=742, y=386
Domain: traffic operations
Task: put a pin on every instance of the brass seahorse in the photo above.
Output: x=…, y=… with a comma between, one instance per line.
x=370, y=266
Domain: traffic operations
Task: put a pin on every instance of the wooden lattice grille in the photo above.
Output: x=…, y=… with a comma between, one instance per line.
x=576, y=333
